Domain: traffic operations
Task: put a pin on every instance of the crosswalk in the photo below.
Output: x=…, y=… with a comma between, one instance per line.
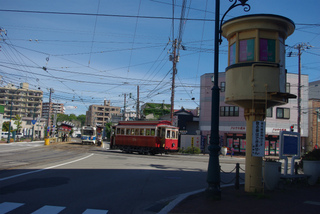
x=7, y=207
x=16, y=146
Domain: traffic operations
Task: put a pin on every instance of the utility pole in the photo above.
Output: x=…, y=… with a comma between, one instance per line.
x=301, y=47
x=174, y=60
x=138, y=103
x=317, y=130
x=49, y=115
x=124, y=107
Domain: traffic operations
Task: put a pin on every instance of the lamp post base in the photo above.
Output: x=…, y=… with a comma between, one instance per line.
x=213, y=192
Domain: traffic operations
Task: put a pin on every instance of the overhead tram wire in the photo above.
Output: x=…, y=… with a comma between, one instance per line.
x=102, y=15
x=23, y=64
x=134, y=37
x=202, y=34
x=94, y=32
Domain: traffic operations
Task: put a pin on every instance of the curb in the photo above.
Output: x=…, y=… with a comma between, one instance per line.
x=183, y=196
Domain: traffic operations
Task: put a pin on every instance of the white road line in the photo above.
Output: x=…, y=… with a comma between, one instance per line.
x=94, y=211
x=40, y=170
x=312, y=202
x=48, y=210
x=6, y=207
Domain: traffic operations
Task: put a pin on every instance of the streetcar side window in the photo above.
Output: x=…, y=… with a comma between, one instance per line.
x=142, y=132
x=122, y=131
x=153, y=132
x=148, y=132
x=118, y=130
x=136, y=132
x=132, y=131
x=168, y=134
x=173, y=135
x=177, y=134
x=128, y=131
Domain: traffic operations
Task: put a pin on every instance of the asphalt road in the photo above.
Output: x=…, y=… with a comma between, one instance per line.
x=74, y=178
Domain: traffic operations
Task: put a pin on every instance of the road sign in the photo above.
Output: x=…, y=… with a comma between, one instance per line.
x=33, y=121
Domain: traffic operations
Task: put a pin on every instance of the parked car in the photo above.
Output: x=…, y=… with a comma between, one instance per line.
x=5, y=135
x=19, y=135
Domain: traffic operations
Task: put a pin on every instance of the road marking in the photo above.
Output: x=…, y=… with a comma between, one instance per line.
x=312, y=202
x=40, y=170
x=48, y=210
x=94, y=211
x=6, y=207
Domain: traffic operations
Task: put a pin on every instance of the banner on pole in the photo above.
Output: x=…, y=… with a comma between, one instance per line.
x=258, y=138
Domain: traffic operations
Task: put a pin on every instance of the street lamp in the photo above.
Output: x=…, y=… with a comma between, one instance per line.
x=213, y=176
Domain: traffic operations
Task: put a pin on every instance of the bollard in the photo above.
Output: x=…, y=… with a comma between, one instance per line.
x=47, y=141
x=237, y=176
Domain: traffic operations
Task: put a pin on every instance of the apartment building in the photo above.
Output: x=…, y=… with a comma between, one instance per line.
x=56, y=108
x=232, y=125
x=101, y=114
x=21, y=101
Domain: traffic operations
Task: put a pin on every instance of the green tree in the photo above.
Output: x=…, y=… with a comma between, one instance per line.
x=17, y=122
x=62, y=117
x=82, y=119
x=72, y=117
x=108, y=129
x=5, y=126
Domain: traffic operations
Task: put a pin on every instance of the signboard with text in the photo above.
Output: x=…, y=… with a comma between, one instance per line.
x=289, y=144
x=258, y=138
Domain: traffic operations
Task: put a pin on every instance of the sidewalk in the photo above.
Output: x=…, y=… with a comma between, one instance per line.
x=292, y=198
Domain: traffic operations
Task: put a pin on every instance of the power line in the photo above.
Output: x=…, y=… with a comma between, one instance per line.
x=102, y=15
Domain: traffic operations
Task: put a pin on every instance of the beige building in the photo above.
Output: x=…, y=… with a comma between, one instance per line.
x=56, y=108
x=314, y=126
x=25, y=102
x=101, y=114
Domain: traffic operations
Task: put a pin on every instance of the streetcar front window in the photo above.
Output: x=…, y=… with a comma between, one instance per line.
x=118, y=130
x=87, y=132
x=173, y=134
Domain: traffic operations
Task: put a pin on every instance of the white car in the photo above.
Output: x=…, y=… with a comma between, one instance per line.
x=5, y=135
x=19, y=135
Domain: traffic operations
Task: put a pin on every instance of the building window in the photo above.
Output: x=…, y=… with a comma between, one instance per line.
x=232, y=51
x=246, y=52
x=223, y=86
x=283, y=113
x=267, y=50
x=229, y=111
x=269, y=112
x=288, y=87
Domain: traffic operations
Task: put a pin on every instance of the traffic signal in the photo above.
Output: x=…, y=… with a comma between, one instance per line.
x=292, y=128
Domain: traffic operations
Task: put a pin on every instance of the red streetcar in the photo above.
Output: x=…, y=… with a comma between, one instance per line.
x=145, y=137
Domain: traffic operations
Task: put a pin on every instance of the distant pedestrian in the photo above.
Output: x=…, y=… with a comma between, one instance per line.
x=232, y=151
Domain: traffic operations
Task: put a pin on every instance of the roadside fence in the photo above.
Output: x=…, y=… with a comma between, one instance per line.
x=236, y=179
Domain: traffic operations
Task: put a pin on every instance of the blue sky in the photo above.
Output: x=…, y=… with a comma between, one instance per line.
x=90, y=58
